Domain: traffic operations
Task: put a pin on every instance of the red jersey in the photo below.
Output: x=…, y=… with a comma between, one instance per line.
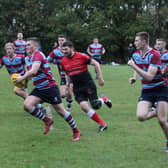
x=76, y=64
x=77, y=69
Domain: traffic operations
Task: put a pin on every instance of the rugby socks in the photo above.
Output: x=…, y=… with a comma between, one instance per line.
x=69, y=101
x=94, y=116
x=41, y=108
x=69, y=119
x=37, y=112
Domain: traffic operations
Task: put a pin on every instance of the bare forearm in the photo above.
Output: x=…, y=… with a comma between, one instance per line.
x=146, y=75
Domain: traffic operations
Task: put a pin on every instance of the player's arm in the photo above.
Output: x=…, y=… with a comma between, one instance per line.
x=133, y=79
x=88, y=51
x=98, y=70
x=103, y=50
x=30, y=73
x=149, y=75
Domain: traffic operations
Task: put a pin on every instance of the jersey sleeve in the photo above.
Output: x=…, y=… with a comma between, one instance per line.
x=37, y=58
x=86, y=58
x=155, y=60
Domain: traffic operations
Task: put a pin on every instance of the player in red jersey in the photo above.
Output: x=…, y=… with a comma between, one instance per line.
x=45, y=89
x=84, y=88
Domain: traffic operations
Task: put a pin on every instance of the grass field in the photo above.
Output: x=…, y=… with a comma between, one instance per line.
x=126, y=144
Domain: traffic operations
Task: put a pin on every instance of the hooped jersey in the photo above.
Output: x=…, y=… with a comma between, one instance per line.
x=20, y=47
x=55, y=57
x=164, y=58
x=151, y=58
x=44, y=77
x=13, y=65
x=96, y=49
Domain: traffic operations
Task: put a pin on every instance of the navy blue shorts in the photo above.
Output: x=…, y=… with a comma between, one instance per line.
x=50, y=95
x=155, y=95
x=98, y=59
x=85, y=93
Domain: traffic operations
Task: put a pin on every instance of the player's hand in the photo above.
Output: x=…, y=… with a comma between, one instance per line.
x=131, y=62
x=132, y=80
x=101, y=82
x=19, y=79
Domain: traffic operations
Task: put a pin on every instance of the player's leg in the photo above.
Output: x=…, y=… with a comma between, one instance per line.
x=81, y=97
x=69, y=98
x=59, y=108
x=93, y=115
x=20, y=92
x=66, y=90
x=31, y=105
x=98, y=59
x=143, y=112
x=53, y=97
x=144, y=105
x=63, y=91
x=162, y=108
x=96, y=102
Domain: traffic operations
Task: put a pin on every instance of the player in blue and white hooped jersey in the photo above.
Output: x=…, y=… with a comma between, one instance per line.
x=55, y=57
x=146, y=62
x=161, y=47
x=14, y=63
x=20, y=45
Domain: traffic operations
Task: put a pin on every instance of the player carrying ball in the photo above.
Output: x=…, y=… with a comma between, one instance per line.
x=45, y=89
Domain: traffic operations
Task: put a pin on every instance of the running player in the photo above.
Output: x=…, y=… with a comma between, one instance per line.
x=14, y=63
x=55, y=57
x=84, y=88
x=45, y=89
x=146, y=63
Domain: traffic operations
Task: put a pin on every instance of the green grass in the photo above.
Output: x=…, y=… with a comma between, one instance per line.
x=126, y=144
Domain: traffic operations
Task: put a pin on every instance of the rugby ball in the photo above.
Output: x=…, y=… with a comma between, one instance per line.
x=14, y=77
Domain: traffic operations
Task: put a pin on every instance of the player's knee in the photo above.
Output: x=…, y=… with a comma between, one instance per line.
x=15, y=91
x=141, y=117
x=63, y=95
x=162, y=121
x=27, y=107
x=95, y=104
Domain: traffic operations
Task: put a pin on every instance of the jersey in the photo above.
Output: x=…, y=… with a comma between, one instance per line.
x=14, y=65
x=44, y=78
x=20, y=47
x=55, y=57
x=28, y=63
x=77, y=69
x=164, y=58
x=96, y=50
x=151, y=58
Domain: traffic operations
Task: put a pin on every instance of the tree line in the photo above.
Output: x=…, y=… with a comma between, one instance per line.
x=114, y=22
